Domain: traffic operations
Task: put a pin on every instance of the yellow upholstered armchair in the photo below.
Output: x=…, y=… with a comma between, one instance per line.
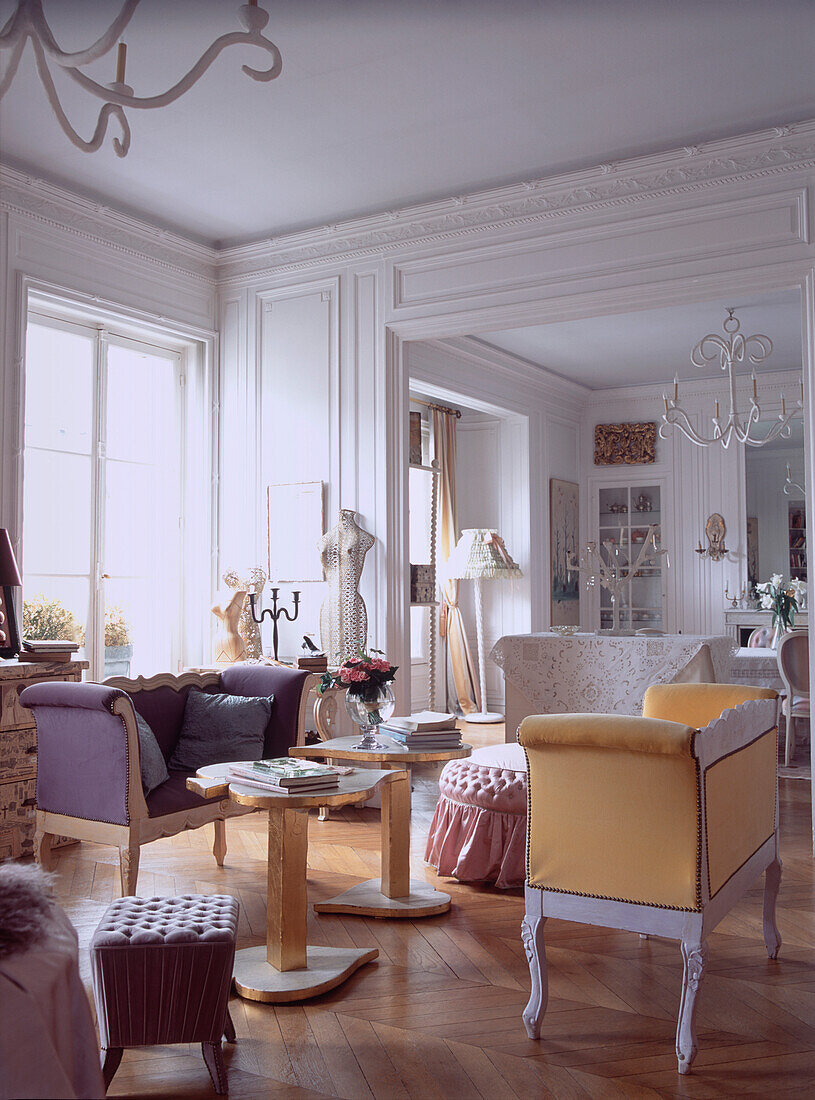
x=658, y=825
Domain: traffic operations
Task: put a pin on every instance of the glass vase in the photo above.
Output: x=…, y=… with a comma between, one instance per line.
x=368, y=710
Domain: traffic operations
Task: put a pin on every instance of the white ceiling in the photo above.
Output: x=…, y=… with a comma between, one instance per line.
x=386, y=102
x=653, y=345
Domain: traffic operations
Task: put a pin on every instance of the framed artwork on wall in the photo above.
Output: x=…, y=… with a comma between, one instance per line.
x=296, y=523
x=564, y=529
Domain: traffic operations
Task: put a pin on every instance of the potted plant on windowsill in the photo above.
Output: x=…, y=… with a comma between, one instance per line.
x=118, y=644
x=47, y=619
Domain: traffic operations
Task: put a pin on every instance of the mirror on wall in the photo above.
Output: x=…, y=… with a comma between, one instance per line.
x=776, y=513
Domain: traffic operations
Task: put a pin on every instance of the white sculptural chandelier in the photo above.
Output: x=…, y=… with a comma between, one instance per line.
x=731, y=349
x=28, y=23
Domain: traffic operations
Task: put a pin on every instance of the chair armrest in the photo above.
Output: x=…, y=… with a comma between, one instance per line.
x=82, y=750
x=608, y=731
x=59, y=693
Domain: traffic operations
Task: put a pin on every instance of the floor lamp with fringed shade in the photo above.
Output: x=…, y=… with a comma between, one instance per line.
x=480, y=555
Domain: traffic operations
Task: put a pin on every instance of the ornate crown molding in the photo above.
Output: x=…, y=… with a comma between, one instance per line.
x=56, y=207
x=680, y=171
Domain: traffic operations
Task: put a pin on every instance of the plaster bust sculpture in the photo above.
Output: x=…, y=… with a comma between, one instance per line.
x=229, y=645
x=250, y=580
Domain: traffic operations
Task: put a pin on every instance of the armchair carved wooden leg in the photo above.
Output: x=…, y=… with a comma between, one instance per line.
x=219, y=846
x=129, y=868
x=694, y=957
x=535, y=948
x=772, y=881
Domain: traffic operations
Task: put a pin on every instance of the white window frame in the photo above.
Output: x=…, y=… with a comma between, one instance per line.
x=195, y=356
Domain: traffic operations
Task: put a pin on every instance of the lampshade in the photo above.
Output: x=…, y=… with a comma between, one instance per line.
x=9, y=573
x=480, y=554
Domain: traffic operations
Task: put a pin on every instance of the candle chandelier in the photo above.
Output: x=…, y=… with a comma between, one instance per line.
x=731, y=349
x=28, y=23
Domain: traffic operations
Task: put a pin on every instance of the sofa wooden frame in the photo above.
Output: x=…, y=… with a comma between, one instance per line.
x=142, y=828
x=734, y=731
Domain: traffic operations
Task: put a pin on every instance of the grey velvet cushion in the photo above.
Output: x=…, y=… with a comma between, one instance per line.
x=218, y=728
x=151, y=759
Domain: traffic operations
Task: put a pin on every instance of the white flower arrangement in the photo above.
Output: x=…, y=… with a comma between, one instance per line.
x=780, y=598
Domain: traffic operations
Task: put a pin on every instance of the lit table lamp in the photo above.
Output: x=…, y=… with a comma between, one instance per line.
x=480, y=555
x=9, y=578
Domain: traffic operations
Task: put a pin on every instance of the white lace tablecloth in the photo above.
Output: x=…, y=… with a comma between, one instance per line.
x=601, y=673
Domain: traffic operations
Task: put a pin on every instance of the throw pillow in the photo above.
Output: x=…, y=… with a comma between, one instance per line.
x=218, y=728
x=151, y=759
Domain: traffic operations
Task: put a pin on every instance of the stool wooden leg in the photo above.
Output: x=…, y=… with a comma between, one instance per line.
x=229, y=1029
x=111, y=1060
x=214, y=1058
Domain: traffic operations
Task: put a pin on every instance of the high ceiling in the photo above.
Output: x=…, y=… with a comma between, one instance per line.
x=653, y=345
x=385, y=102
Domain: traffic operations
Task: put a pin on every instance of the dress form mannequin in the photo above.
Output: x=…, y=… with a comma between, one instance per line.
x=229, y=645
x=343, y=617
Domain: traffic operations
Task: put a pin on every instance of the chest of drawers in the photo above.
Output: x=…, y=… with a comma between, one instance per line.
x=18, y=751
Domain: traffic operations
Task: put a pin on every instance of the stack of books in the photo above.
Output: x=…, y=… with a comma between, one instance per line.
x=316, y=663
x=427, y=730
x=48, y=652
x=288, y=775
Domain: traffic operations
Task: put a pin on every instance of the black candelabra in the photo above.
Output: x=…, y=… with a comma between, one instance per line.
x=274, y=612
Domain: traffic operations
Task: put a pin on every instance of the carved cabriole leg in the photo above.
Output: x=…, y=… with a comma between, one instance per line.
x=42, y=850
x=694, y=958
x=129, y=868
x=772, y=881
x=535, y=948
x=789, y=740
x=219, y=846
x=213, y=1056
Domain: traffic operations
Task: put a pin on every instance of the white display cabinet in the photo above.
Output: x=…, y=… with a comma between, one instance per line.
x=623, y=515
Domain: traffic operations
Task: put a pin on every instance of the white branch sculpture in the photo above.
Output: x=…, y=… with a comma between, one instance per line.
x=611, y=567
x=29, y=23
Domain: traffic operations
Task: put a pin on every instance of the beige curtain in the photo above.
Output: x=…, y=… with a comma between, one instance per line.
x=451, y=623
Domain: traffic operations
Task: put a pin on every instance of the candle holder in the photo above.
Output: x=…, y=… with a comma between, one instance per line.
x=274, y=612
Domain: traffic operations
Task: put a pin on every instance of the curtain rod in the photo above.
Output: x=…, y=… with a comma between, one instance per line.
x=441, y=408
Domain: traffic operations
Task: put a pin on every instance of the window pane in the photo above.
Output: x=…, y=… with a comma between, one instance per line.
x=58, y=390
x=56, y=512
x=55, y=608
x=143, y=594
x=142, y=406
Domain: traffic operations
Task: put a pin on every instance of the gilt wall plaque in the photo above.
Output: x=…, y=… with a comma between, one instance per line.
x=624, y=444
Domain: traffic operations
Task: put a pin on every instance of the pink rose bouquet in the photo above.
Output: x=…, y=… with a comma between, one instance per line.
x=363, y=675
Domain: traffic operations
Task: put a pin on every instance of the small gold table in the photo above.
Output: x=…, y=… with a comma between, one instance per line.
x=366, y=898
x=286, y=968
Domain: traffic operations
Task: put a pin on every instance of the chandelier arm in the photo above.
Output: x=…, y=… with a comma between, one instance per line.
x=111, y=95
x=106, y=42
x=108, y=110
x=11, y=32
x=678, y=418
x=765, y=346
x=14, y=61
x=700, y=357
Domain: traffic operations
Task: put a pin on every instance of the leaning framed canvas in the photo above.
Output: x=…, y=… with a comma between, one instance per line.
x=564, y=526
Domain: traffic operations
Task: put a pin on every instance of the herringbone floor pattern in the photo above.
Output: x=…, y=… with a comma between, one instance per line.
x=439, y=1014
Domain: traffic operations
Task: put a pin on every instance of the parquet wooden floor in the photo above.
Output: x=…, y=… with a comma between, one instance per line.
x=439, y=1014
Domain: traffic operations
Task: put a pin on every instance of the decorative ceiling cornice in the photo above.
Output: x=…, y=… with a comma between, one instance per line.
x=95, y=222
x=680, y=171
x=608, y=186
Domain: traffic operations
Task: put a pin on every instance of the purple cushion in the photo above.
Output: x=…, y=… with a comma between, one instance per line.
x=173, y=795
x=162, y=709
x=285, y=684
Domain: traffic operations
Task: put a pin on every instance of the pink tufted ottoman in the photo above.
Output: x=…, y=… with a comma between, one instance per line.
x=478, y=833
x=162, y=968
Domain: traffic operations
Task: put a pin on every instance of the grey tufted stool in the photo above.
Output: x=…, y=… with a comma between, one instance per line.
x=162, y=968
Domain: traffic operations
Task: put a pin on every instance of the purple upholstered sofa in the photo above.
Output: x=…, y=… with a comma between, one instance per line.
x=88, y=773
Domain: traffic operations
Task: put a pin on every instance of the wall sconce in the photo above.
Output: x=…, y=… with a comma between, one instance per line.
x=715, y=530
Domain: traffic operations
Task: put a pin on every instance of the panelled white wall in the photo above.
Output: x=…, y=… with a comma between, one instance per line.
x=687, y=225
x=697, y=481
